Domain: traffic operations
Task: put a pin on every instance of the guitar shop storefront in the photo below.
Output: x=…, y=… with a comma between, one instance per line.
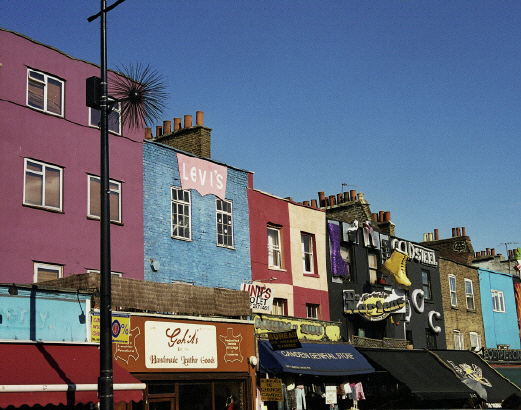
x=189, y=363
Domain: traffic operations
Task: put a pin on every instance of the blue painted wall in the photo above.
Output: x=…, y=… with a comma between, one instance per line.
x=200, y=260
x=43, y=316
x=500, y=327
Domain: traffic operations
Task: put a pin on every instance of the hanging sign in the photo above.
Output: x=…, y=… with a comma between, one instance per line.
x=261, y=297
x=271, y=390
x=331, y=394
x=284, y=340
x=204, y=176
x=374, y=306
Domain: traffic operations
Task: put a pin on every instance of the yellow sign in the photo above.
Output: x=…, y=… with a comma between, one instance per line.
x=271, y=390
x=120, y=327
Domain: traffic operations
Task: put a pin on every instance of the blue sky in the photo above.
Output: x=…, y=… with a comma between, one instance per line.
x=414, y=103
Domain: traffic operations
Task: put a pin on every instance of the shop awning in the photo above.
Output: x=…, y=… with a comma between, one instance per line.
x=321, y=359
x=468, y=365
x=40, y=373
x=421, y=372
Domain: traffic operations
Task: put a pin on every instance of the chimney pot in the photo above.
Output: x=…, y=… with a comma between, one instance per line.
x=387, y=216
x=488, y=251
x=375, y=217
x=458, y=232
x=339, y=198
x=199, y=118
x=177, y=124
x=453, y=232
x=148, y=133
x=381, y=216
x=166, y=127
x=483, y=253
x=314, y=203
x=332, y=200
x=352, y=193
x=493, y=252
x=425, y=237
x=306, y=203
x=346, y=196
x=436, y=235
x=159, y=131
x=360, y=196
x=430, y=236
x=188, y=121
x=463, y=231
x=321, y=198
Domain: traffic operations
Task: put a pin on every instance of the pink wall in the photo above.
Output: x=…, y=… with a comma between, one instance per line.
x=301, y=296
x=68, y=238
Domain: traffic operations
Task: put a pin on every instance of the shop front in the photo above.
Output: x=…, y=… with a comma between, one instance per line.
x=59, y=375
x=315, y=375
x=189, y=363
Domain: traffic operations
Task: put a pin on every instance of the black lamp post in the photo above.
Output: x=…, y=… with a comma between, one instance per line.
x=105, y=381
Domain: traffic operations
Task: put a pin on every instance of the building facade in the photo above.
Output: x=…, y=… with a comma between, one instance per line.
x=50, y=167
x=196, y=223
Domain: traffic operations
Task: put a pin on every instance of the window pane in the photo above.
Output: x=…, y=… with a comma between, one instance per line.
x=114, y=206
x=94, y=199
x=33, y=189
x=52, y=187
x=54, y=96
x=35, y=94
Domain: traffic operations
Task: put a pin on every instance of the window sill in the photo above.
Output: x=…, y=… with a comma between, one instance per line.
x=311, y=275
x=454, y=307
x=226, y=247
x=94, y=218
x=110, y=131
x=45, y=112
x=471, y=310
x=44, y=208
x=180, y=238
x=277, y=269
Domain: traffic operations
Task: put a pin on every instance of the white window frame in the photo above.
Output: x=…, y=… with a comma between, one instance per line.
x=469, y=297
x=312, y=311
x=498, y=301
x=186, y=213
x=42, y=174
x=114, y=118
x=222, y=225
x=274, y=249
x=459, y=343
x=307, y=254
x=43, y=82
x=280, y=307
x=453, y=302
x=118, y=274
x=114, y=188
x=475, y=341
x=40, y=265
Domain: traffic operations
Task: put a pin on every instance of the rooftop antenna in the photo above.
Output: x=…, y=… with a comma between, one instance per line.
x=506, y=251
x=343, y=185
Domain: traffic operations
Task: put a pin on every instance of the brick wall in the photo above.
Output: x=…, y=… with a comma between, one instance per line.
x=459, y=317
x=458, y=249
x=200, y=260
x=195, y=140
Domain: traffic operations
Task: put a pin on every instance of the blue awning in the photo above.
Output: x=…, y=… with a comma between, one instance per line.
x=321, y=359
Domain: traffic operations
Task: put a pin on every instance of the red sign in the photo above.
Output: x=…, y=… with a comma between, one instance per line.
x=203, y=176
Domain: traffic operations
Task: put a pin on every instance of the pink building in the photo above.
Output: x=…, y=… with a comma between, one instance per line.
x=50, y=167
x=288, y=255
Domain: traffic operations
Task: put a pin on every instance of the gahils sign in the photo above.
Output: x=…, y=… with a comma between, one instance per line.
x=203, y=176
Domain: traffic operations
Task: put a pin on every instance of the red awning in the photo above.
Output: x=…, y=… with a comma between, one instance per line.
x=44, y=373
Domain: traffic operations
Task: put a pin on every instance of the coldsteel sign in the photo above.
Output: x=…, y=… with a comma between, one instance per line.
x=415, y=252
x=373, y=306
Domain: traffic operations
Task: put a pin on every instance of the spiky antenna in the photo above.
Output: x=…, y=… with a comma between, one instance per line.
x=141, y=92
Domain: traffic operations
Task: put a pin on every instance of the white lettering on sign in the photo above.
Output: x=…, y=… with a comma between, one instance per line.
x=416, y=252
x=204, y=176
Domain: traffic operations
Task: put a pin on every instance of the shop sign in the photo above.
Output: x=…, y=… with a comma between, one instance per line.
x=503, y=355
x=331, y=397
x=374, y=306
x=120, y=327
x=284, y=340
x=171, y=345
x=306, y=328
x=261, y=297
x=271, y=390
x=416, y=252
x=204, y=176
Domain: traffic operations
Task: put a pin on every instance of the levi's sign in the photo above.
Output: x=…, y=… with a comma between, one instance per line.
x=204, y=176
